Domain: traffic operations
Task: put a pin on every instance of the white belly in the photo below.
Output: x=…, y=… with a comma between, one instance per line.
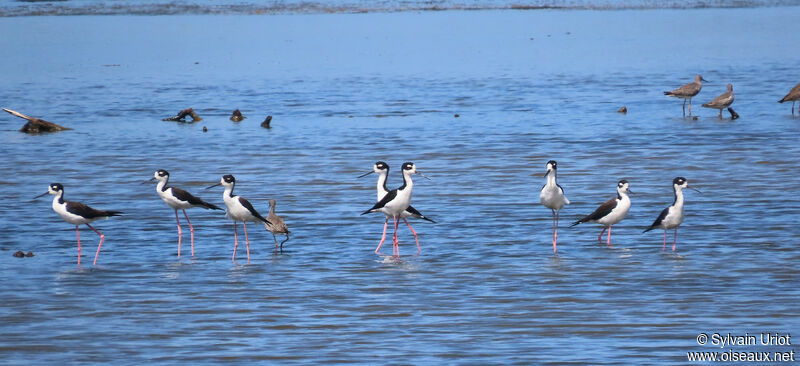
x=61, y=210
x=553, y=198
x=617, y=214
x=237, y=212
x=674, y=218
x=171, y=201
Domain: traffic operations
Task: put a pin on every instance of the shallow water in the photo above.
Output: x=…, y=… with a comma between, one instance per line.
x=348, y=89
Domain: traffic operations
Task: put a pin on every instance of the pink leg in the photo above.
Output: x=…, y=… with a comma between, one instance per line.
x=674, y=242
x=608, y=242
x=235, y=241
x=383, y=237
x=555, y=232
x=419, y=250
x=79, y=245
x=246, y=240
x=179, y=233
x=600, y=237
x=395, y=242
x=664, y=247
x=98, y=245
x=191, y=229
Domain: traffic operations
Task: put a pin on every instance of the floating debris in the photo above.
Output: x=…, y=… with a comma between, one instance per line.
x=734, y=115
x=205, y=129
x=266, y=122
x=623, y=110
x=181, y=116
x=237, y=116
x=456, y=115
x=29, y=254
x=36, y=125
x=19, y=254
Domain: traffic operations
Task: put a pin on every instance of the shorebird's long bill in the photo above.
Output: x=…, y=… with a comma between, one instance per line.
x=694, y=189
x=41, y=195
x=704, y=80
x=212, y=186
x=629, y=191
x=548, y=172
x=149, y=180
x=365, y=174
x=423, y=175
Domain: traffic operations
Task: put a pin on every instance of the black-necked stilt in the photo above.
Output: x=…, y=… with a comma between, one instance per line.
x=552, y=197
x=276, y=225
x=178, y=199
x=396, y=201
x=672, y=216
x=721, y=102
x=77, y=213
x=382, y=169
x=239, y=209
x=687, y=91
x=610, y=212
x=793, y=96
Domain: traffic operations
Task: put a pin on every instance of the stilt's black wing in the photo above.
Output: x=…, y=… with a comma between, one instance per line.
x=413, y=211
x=252, y=209
x=85, y=211
x=658, y=221
x=388, y=197
x=187, y=197
x=599, y=213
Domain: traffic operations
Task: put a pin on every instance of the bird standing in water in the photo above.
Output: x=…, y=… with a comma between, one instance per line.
x=552, y=196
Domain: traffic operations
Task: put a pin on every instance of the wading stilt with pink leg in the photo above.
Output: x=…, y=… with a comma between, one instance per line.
x=77, y=213
x=552, y=196
x=672, y=216
x=396, y=203
x=179, y=199
x=382, y=169
x=610, y=212
x=239, y=209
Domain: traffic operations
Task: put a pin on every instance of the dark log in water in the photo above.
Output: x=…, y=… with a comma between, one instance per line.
x=734, y=115
x=181, y=116
x=36, y=125
x=237, y=116
x=266, y=122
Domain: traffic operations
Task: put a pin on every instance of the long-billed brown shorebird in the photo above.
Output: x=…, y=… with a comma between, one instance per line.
x=687, y=92
x=276, y=225
x=793, y=96
x=723, y=101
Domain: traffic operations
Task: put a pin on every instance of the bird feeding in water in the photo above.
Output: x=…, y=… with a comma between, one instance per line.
x=179, y=199
x=610, y=212
x=721, y=102
x=687, y=91
x=77, y=214
x=276, y=225
x=552, y=196
x=396, y=201
x=672, y=216
x=792, y=96
x=238, y=209
x=382, y=169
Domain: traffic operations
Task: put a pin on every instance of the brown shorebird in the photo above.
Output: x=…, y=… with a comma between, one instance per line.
x=723, y=101
x=687, y=92
x=793, y=96
x=276, y=225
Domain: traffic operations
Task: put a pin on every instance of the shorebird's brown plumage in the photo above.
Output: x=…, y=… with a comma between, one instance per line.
x=276, y=225
x=723, y=101
x=793, y=96
x=687, y=91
